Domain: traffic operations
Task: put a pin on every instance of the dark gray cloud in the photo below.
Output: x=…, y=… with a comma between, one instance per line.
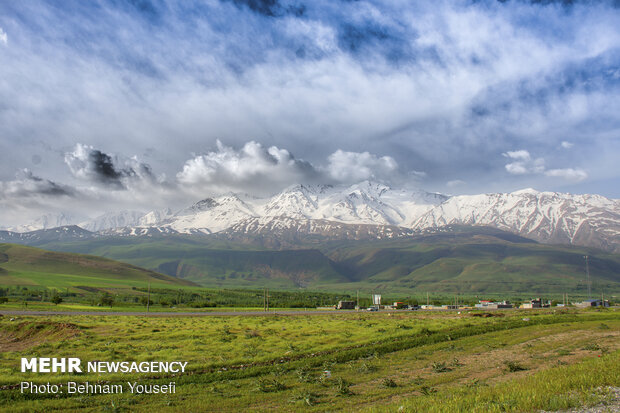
x=88, y=163
x=28, y=185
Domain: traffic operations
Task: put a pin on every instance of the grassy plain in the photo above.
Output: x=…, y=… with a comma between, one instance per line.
x=513, y=360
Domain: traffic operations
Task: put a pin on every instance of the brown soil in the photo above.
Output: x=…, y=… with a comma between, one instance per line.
x=25, y=335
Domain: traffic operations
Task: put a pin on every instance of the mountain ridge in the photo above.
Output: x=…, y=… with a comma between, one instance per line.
x=349, y=212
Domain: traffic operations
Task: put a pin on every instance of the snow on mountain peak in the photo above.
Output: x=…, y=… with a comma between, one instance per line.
x=526, y=191
x=544, y=216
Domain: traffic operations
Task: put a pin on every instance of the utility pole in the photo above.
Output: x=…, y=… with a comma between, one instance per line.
x=427, y=299
x=267, y=299
x=264, y=299
x=148, y=298
x=588, y=279
x=358, y=299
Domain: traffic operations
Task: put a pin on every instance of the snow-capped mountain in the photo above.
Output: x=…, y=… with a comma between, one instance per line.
x=211, y=215
x=544, y=216
x=112, y=220
x=366, y=203
x=47, y=221
x=306, y=209
x=155, y=217
x=371, y=210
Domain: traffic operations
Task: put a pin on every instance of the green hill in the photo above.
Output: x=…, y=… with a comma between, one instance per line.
x=27, y=266
x=466, y=260
x=217, y=264
x=477, y=263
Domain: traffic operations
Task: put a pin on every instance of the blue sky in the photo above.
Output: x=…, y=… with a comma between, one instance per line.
x=137, y=103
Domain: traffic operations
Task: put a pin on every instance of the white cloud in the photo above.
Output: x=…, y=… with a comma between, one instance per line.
x=519, y=155
x=253, y=168
x=258, y=169
x=455, y=183
x=351, y=167
x=4, y=39
x=570, y=174
x=524, y=164
x=567, y=145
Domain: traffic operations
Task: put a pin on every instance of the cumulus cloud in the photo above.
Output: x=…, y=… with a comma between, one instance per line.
x=567, y=145
x=3, y=37
x=90, y=164
x=259, y=169
x=253, y=168
x=570, y=174
x=352, y=167
x=523, y=164
x=28, y=185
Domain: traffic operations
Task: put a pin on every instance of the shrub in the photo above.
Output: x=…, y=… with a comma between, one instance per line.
x=387, y=382
x=427, y=391
x=592, y=347
x=304, y=375
x=269, y=385
x=440, y=367
x=342, y=387
x=513, y=366
x=307, y=397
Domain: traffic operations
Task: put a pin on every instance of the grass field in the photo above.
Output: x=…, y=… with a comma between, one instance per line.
x=513, y=360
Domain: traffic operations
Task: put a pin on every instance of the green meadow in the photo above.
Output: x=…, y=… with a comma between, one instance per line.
x=512, y=360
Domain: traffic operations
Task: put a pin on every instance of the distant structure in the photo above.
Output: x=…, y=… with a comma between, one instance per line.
x=592, y=303
x=536, y=303
x=376, y=299
x=493, y=305
x=346, y=305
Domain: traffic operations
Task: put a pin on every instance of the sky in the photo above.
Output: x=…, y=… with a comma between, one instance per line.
x=143, y=104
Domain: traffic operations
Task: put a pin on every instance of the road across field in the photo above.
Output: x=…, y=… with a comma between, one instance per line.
x=175, y=314
x=222, y=313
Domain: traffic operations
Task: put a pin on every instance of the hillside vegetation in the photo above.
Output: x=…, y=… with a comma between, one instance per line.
x=27, y=266
x=466, y=260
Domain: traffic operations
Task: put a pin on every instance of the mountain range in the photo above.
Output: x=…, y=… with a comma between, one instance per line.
x=368, y=210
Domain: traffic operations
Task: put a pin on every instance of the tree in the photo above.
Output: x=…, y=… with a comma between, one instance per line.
x=3, y=300
x=57, y=299
x=106, y=300
x=143, y=301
